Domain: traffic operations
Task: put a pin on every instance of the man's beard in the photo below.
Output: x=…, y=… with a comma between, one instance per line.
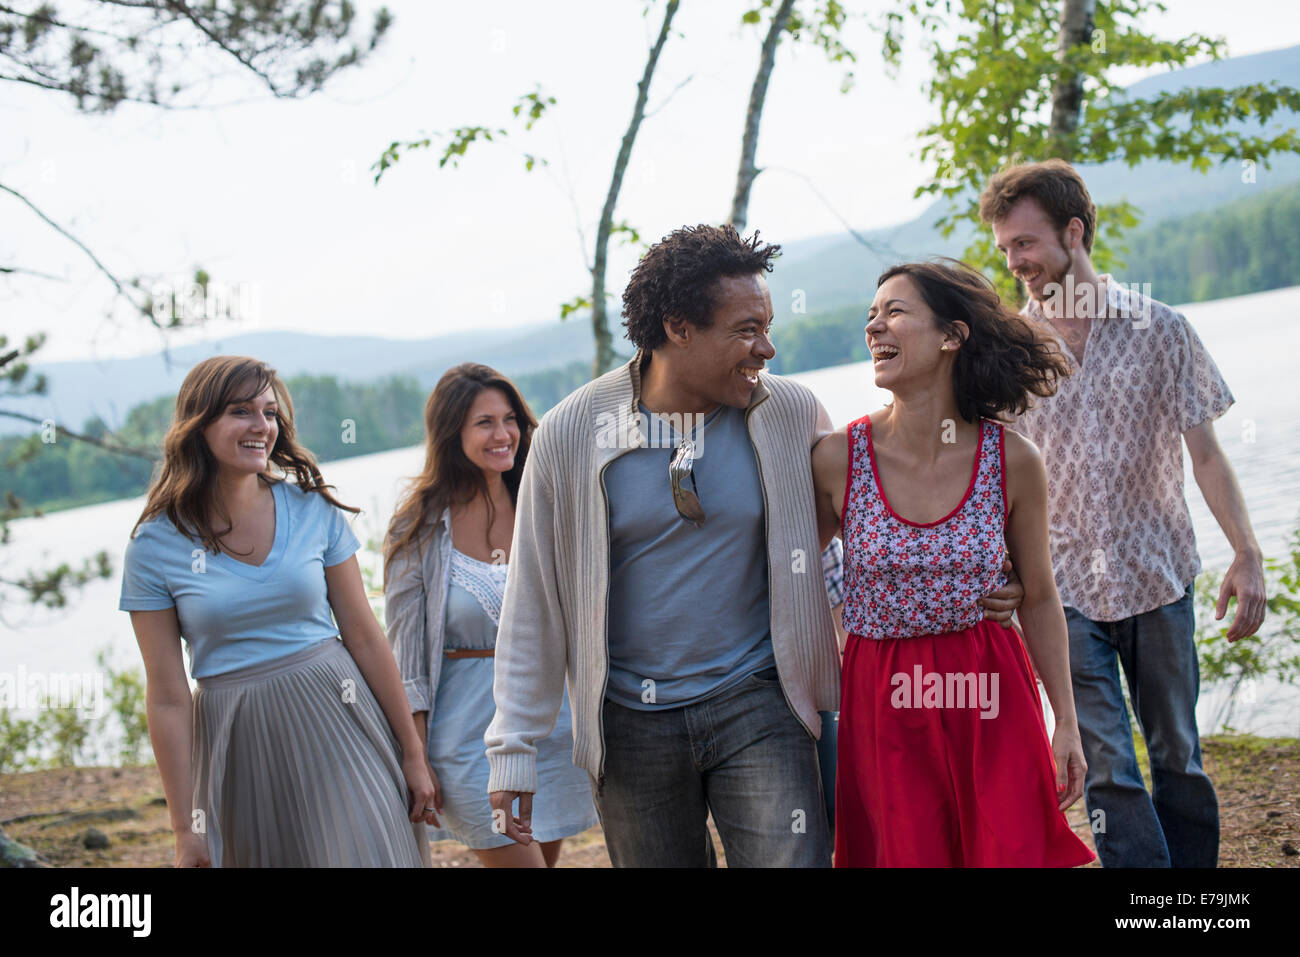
x=1052, y=280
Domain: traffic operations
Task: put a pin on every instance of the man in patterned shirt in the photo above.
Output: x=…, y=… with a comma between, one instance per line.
x=1123, y=549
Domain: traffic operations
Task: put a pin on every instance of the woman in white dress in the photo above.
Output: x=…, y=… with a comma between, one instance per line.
x=445, y=562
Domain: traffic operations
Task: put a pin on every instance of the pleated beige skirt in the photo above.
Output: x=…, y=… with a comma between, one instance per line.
x=295, y=765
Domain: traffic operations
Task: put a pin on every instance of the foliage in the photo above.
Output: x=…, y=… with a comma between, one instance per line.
x=815, y=342
x=531, y=106
x=822, y=27
x=996, y=68
x=1273, y=652
x=163, y=53
x=17, y=738
x=126, y=698
x=106, y=52
x=1247, y=246
x=49, y=586
x=545, y=388
x=60, y=737
x=334, y=419
x=372, y=571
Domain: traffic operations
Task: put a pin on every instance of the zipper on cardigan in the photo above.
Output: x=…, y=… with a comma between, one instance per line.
x=767, y=541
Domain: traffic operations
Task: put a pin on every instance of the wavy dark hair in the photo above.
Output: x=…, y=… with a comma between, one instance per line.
x=1004, y=360
x=185, y=489
x=449, y=477
x=677, y=277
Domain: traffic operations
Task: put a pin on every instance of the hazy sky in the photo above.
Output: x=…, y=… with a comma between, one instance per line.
x=277, y=195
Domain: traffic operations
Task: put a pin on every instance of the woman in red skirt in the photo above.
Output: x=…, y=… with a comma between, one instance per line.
x=944, y=758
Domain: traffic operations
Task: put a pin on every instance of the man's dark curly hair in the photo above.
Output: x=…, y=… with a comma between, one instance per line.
x=677, y=276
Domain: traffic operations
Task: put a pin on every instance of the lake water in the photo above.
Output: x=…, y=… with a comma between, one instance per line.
x=1252, y=338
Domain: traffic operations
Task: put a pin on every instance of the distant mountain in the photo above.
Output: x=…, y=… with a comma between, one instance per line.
x=110, y=388
x=831, y=272
x=834, y=273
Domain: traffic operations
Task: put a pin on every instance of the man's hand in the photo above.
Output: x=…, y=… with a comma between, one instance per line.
x=999, y=605
x=1245, y=579
x=519, y=828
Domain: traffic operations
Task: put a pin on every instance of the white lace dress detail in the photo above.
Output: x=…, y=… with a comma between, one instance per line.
x=486, y=581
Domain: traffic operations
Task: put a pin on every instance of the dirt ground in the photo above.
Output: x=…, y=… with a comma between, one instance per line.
x=1258, y=782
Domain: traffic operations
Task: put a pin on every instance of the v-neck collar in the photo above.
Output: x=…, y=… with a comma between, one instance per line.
x=264, y=570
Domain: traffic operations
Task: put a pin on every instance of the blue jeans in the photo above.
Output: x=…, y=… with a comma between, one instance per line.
x=826, y=756
x=1177, y=824
x=741, y=754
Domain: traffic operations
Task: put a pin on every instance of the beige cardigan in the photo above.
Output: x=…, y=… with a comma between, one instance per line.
x=555, y=612
x=415, y=602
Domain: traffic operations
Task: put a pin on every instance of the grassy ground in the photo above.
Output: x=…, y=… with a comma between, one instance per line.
x=1258, y=782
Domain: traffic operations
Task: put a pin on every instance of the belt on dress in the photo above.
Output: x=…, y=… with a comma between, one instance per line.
x=470, y=652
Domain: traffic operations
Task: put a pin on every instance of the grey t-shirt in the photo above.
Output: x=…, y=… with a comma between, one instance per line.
x=688, y=607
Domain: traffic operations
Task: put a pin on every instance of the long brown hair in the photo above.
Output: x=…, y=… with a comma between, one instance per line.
x=1004, y=360
x=186, y=487
x=449, y=477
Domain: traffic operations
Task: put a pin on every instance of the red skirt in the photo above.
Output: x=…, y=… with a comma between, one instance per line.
x=944, y=759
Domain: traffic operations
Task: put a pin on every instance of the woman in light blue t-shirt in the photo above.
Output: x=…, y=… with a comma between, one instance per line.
x=446, y=558
x=296, y=749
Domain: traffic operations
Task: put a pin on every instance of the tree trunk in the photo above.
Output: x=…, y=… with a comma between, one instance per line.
x=1077, y=20
x=600, y=328
x=749, y=145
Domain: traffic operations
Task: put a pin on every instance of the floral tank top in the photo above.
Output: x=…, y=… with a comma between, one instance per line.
x=903, y=579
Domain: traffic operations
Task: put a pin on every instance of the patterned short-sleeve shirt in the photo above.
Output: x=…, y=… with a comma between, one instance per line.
x=1111, y=439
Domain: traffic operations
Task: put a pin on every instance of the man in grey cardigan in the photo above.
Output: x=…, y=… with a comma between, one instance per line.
x=666, y=557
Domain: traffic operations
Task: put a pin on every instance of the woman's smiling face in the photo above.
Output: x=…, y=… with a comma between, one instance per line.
x=242, y=437
x=906, y=342
x=490, y=435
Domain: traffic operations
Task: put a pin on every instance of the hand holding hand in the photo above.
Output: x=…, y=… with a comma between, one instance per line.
x=422, y=789
x=518, y=828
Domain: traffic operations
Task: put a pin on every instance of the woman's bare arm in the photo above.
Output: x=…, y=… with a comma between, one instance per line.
x=169, y=707
x=830, y=466
x=368, y=646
